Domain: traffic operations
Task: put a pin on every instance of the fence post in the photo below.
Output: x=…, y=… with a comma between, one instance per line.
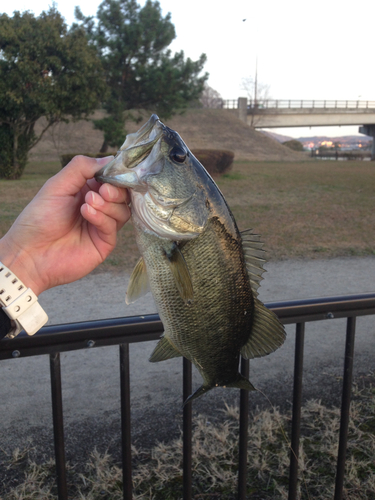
x=187, y=429
x=58, y=425
x=242, y=109
x=125, y=423
x=244, y=424
x=296, y=418
x=345, y=406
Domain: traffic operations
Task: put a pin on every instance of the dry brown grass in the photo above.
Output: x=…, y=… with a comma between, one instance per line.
x=305, y=210
x=157, y=473
x=301, y=209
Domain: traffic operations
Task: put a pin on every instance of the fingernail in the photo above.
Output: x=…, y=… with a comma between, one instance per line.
x=97, y=199
x=91, y=210
x=113, y=192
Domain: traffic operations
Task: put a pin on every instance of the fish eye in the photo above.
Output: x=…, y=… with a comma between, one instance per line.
x=178, y=155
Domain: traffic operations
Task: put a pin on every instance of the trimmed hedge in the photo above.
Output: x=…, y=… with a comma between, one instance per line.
x=215, y=161
x=294, y=145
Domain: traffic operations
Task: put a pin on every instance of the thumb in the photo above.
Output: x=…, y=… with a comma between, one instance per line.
x=73, y=177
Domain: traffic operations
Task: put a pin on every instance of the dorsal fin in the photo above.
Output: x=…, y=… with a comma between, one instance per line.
x=254, y=258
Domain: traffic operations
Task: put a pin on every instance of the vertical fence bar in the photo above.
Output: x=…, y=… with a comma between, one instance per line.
x=187, y=429
x=296, y=418
x=58, y=425
x=345, y=406
x=125, y=422
x=244, y=423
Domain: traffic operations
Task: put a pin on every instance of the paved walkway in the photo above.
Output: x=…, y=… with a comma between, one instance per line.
x=90, y=377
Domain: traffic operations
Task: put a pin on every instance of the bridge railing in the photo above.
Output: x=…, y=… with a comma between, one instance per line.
x=299, y=104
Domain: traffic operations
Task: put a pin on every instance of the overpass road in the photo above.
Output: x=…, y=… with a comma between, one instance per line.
x=302, y=113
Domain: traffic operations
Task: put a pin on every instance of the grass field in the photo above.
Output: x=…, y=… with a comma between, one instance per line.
x=302, y=210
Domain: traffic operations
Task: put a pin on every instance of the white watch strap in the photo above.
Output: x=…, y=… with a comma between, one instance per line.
x=20, y=304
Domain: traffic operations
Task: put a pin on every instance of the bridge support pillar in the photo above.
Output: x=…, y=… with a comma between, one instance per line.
x=242, y=109
x=369, y=130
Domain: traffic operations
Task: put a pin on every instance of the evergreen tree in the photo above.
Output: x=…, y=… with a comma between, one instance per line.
x=140, y=71
x=46, y=71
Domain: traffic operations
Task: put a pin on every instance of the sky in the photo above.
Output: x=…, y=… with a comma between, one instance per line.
x=321, y=50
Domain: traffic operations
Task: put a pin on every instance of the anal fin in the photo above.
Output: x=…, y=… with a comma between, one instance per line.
x=164, y=350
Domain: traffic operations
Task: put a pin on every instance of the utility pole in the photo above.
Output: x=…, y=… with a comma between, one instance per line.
x=255, y=103
x=256, y=82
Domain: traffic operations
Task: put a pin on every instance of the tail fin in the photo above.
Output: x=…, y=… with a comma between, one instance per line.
x=240, y=382
x=199, y=392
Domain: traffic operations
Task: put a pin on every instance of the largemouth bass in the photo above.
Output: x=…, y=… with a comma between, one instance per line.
x=203, y=273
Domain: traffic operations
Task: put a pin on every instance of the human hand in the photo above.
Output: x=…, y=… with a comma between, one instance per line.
x=68, y=229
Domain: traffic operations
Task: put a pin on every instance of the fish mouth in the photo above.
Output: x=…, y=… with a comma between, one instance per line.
x=135, y=150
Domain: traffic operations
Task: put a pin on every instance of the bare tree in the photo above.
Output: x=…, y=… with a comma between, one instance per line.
x=257, y=92
x=210, y=98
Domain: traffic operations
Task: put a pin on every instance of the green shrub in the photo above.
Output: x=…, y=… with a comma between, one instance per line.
x=293, y=144
x=215, y=161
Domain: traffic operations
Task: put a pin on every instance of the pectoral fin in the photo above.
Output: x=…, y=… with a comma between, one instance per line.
x=180, y=273
x=164, y=350
x=138, y=283
x=267, y=333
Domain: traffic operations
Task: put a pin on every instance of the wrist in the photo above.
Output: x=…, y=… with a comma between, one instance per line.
x=20, y=304
x=20, y=264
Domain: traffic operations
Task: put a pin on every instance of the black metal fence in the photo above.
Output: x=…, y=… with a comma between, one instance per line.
x=122, y=331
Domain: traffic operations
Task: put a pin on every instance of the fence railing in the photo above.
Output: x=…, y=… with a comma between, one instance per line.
x=122, y=331
x=299, y=104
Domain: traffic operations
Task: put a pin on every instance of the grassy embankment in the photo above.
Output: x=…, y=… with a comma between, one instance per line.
x=302, y=210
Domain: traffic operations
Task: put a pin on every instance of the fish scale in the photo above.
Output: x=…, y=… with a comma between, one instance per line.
x=218, y=305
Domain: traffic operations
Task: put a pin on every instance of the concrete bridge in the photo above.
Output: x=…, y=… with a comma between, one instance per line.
x=299, y=113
